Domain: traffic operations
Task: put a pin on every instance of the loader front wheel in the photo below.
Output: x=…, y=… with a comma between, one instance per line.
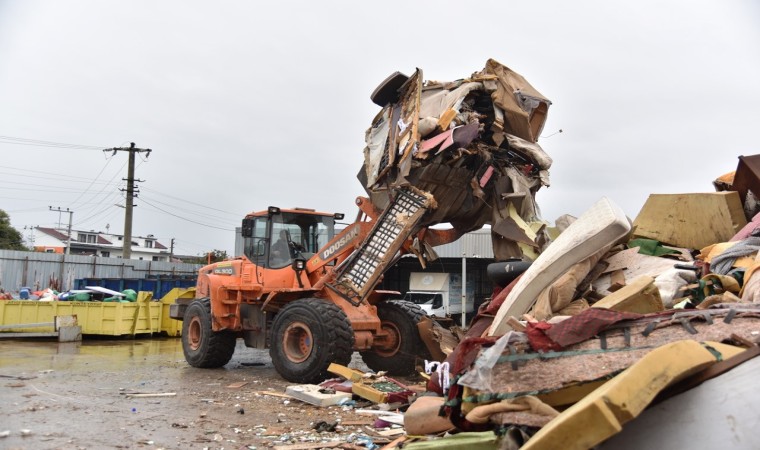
x=397, y=353
x=308, y=335
x=201, y=345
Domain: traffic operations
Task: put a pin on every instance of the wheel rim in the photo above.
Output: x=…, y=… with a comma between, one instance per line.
x=392, y=343
x=297, y=342
x=195, y=333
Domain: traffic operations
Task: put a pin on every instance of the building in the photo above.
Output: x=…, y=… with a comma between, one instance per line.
x=468, y=257
x=51, y=240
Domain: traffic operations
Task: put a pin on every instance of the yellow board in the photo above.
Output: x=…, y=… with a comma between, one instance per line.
x=603, y=412
x=641, y=296
x=691, y=220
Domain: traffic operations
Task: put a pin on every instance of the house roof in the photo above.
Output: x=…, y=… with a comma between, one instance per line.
x=53, y=232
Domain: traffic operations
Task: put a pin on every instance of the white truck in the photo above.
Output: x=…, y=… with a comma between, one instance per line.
x=440, y=294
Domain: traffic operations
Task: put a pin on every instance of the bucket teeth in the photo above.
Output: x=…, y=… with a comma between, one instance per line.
x=364, y=267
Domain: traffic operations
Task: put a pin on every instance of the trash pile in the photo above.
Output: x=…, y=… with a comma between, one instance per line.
x=604, y=321
x=469, y=143
x=88, y=294
x=614, y=320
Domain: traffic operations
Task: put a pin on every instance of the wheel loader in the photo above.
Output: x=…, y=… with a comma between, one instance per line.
x=309, y=294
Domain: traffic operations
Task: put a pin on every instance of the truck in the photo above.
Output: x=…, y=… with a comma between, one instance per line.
x=439, y=294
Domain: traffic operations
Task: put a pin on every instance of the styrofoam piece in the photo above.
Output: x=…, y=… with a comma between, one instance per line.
x=601, y=225
x=103, y=290
x=309, y=393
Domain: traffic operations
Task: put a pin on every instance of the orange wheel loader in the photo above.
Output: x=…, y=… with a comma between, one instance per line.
x=308, y=294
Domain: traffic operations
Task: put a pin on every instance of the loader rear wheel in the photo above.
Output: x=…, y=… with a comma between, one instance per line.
x=202, y=346
x=308, y=335
x=399, y=352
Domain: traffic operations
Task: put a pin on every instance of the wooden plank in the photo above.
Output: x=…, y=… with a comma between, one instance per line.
x=691, y=220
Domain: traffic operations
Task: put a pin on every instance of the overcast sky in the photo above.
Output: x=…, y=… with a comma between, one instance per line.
x=251, y=104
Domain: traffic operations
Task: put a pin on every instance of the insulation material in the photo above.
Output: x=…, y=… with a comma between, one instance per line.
x=633, y=265
x=562, y=292
x=527, y=410
x=471, y=144
x=670, y=282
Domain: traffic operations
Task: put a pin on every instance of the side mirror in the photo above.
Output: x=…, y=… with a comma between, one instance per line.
x=261, y=248
x=247, y=229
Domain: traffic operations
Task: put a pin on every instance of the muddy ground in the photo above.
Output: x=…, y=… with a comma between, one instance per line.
x=75, y=396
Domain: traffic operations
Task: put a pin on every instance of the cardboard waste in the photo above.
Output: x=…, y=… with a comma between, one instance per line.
x=472, y=145
x=613, y=317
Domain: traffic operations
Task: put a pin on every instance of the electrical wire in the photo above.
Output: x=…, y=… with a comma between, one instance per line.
x=40, y=143
x=236, y=215
x=185, y=218
x=209, y=216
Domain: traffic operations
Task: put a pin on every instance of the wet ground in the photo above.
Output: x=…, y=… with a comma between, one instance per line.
x=77, y=396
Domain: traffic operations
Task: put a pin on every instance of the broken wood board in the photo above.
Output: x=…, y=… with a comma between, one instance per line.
x=630, y=264
x=599, y=227
x=691, y=220
x=640, y=296
x=272, y=393
x=162, y=394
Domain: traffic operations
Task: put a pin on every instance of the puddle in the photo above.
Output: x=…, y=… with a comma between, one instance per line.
x=88, y=355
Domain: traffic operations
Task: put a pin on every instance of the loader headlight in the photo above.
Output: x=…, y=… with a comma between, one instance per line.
x=299, y=264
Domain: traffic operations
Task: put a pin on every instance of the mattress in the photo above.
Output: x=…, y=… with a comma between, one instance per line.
x=600, y=226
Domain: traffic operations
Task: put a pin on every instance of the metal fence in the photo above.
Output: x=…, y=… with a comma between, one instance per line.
x=42, y=270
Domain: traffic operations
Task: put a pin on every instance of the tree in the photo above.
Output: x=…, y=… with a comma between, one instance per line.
x=10, y=238
x=216, y=256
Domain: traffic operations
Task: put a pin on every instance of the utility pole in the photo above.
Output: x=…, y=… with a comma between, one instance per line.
x=31, y=229
x=131, y=193
x=71, y=215
x=171, y=251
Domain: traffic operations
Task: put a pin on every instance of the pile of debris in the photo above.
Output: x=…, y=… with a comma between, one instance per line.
x=618, y=319
x=471, y=144
x=603, y=320
x=602, y=326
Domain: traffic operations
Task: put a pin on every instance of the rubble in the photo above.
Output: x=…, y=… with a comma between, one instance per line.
x=471, y=144
x=614, y=316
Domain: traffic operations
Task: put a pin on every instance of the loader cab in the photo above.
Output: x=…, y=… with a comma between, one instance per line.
x=275, y=238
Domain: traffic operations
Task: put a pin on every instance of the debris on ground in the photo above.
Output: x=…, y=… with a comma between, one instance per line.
x=613, y=317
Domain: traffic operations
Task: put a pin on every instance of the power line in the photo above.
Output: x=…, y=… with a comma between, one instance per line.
x=185, y=218
x=40, y=143
x=209, y=216
x=190, y=202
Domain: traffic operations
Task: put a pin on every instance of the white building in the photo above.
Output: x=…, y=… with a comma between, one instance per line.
x=96, y=243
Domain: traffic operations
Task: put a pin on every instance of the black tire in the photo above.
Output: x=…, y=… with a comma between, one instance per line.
x=201, y=345
x=308, y=335
x=400, y=318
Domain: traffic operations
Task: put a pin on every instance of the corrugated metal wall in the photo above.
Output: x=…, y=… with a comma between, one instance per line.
x=37, y=270
x=475, y=244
